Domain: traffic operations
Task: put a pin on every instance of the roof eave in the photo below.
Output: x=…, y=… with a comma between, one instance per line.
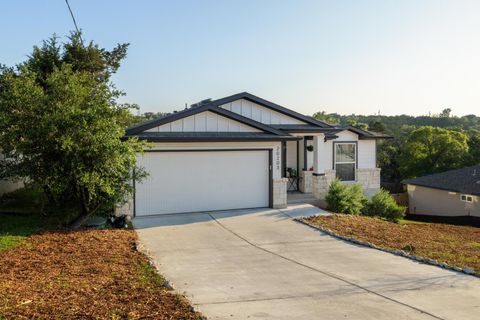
x=215, y=139
x=439, y=188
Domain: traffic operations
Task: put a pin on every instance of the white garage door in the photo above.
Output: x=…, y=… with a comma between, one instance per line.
x=191, y=181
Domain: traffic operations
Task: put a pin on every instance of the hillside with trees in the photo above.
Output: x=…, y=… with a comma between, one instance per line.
x=420, y=145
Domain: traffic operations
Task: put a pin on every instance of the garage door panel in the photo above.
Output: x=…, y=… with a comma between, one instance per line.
x=191, y=181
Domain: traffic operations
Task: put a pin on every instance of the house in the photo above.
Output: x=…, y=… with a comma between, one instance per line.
x=451, y=193
x=245, y=152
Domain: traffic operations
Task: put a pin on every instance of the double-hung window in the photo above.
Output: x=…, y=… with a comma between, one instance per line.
x=345, y=160
x=466, y=198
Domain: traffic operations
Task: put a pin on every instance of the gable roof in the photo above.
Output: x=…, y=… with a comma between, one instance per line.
x=364, y=134
x=465, y=180
x=270, y=105
x=138, y=128
x=282, y=131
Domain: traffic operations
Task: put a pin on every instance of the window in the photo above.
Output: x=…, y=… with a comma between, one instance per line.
x=345, y=161
x=466, y=198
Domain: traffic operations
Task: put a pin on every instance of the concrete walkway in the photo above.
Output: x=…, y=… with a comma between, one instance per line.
x=259, y=264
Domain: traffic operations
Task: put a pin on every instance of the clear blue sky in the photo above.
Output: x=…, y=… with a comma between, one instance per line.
x=407, y=56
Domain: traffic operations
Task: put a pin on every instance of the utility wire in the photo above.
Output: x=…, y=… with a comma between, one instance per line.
x=74, y=22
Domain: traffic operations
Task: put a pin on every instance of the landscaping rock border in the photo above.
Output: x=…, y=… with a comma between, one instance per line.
x=433, y=262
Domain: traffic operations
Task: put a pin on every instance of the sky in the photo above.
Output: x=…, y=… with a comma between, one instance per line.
x=364, y=57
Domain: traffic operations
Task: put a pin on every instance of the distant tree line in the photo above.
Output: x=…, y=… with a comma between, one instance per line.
x=420, y=145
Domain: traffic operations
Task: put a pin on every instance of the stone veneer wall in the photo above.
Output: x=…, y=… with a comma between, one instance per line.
x=305, y=184
x=320, y=183
x=369, y=179
x=280, y=193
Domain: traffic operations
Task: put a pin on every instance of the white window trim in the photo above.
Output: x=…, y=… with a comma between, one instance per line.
x=468, y=198
x=354, y=162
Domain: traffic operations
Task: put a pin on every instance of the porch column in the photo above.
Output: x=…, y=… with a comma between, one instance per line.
x=317, y=146
x=323, y=174
x=306, y=175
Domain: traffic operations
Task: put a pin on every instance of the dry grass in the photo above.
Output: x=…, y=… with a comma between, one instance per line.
x=87, y=274
x=455, y=245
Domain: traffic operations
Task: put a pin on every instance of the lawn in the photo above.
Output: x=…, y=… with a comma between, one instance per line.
x=52, y=273
x=21, y=214
x=453, y=244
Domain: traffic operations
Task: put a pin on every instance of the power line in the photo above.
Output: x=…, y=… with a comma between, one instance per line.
x=74, y=22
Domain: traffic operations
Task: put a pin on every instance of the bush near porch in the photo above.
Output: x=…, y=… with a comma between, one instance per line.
x=349, y=199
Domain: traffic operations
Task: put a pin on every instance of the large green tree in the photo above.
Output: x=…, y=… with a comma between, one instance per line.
x=61, y=128
x=430, y=149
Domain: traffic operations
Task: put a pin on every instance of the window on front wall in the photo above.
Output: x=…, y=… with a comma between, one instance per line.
x=345, y=161
x=466, y=198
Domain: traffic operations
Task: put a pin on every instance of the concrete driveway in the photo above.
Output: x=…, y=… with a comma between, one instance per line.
x=259, y=264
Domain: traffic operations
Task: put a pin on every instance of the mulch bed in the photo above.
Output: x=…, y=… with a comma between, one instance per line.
x=453, y=244
x=86, y=274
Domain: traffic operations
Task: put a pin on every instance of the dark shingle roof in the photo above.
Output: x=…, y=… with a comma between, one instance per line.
x=210, y=136
x=465, y=180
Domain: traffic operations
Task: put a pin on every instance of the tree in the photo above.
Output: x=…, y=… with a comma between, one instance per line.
x=429, y=150
x=356, y=124
x=64, y=131
x=376, y=126
x=330, y=118
x=473, y=147
x=446, y=113
x=100, y=62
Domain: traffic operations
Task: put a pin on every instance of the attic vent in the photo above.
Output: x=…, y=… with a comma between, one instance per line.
x=201, y=103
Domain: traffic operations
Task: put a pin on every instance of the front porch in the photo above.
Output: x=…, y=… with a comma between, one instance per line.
x=297, y=197
x=312, y=163
x=298, y=164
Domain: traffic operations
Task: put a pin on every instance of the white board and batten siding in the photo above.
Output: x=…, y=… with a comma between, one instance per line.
x=366, y=151
x=195, y=181
x=259, y=113
x=204, y=122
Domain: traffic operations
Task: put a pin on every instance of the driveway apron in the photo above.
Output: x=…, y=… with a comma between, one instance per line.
x=260, y=264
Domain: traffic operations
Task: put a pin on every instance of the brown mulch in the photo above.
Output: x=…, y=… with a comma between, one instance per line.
x=86, y=274
x=453, y=244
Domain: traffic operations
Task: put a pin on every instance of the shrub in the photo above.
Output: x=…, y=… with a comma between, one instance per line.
x=342, y=198
x=383, y=205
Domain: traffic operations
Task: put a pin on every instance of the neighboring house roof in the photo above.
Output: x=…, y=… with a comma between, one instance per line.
x=269, y=132
x=465, y=180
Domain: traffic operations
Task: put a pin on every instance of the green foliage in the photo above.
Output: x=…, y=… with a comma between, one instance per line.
x=376, y=126
x=21, y=214
x=473, y=147
x=149, y=276
x=356, y=124
x=383, y=205
x=99, y=62
x=429, y=150
x=326, y=117
x=344, y=198
x=62, y=128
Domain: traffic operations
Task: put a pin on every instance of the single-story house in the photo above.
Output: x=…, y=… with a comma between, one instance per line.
x=451, y=193
x=245, y=152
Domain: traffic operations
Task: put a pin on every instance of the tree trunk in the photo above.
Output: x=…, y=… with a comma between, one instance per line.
x=80, y=220
x=86, y=212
